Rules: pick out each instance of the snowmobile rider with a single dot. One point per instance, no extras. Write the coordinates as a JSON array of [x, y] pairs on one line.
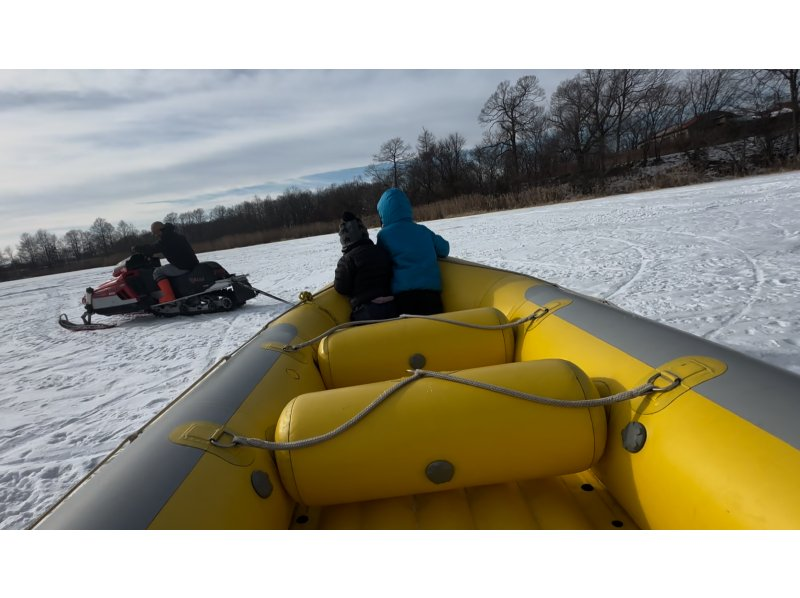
[[415, 249], [175, 249], [363, 273]]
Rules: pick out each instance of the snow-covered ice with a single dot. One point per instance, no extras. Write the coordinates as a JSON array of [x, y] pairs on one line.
[[719, 260]]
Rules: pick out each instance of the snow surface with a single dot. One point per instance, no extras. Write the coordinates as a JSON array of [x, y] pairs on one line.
[[719, 260]]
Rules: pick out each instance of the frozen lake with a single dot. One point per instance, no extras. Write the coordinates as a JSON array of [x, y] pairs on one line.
[[719, 260]]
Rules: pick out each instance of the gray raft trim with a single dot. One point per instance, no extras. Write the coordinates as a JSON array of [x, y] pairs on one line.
[[129, 491], [759, 392]]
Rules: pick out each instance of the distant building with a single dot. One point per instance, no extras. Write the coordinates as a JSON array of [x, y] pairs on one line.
[[700, 128], [719, 127], [777, 111]]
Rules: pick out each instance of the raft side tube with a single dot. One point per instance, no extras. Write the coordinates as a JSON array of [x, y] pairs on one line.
[[435, 434], [387, 350]]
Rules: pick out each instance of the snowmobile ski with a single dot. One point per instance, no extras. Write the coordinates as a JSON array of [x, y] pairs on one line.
[[65, 322]]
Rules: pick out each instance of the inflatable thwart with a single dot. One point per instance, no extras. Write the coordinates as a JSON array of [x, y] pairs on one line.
[[523, 406]]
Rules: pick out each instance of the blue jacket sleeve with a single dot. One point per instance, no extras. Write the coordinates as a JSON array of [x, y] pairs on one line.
[[441, 245]]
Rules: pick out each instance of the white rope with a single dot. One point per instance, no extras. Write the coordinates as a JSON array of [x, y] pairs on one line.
[[626, 395], [620, 397], [536, 314], [285, 446]]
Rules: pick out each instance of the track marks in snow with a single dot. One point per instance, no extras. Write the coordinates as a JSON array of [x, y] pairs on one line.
[[720, 255], [644, 260], [755, 293]]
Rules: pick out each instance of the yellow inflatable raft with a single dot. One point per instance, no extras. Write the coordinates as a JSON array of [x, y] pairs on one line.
[[524, 406]]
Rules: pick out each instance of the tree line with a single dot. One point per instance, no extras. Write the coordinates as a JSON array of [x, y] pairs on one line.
[[592, 124]]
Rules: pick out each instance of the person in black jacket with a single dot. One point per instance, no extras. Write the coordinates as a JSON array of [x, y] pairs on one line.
[[364, 273], [175, 249]]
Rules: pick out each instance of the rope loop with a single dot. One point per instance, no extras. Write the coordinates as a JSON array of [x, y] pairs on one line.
[[667, 388]]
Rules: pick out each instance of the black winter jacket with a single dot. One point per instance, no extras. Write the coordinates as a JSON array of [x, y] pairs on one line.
[[174, 247], [363, 273]]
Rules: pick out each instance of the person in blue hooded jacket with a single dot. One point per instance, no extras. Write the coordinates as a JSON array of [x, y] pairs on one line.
[[414, 249]]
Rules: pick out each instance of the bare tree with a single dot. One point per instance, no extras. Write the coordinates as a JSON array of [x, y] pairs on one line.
[[537, 141], [47, 244], [27, 249], [762, 93], [450, 161], [8, 254], [628, 90], [218, 213], [125, 230], [790, 78], [601, 106], [570, 116], [102, 233], [194, 217], [510, 112], [298, 206], [423, 167], [184, 219], [660, 107], [486, 164], [708, 90], [74, 244], [396, 153]]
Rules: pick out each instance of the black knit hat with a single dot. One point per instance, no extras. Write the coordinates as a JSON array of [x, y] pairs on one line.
[[351, 230]]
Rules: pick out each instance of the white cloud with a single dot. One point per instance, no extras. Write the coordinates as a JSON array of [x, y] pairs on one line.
[[112, 143]]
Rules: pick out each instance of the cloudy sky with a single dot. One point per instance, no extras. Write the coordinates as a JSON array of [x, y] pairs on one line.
[[135, 145], [129, 112]]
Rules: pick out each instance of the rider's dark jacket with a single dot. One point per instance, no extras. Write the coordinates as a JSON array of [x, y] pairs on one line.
[[173, 246]]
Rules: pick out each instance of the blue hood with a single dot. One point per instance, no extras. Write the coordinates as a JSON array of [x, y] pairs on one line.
[[394, 206]]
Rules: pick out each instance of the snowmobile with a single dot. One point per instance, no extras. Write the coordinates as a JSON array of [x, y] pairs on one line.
[[207, 288]]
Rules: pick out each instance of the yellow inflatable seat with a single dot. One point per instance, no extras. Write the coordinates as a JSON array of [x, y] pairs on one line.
[[435, 434], [387, 350]]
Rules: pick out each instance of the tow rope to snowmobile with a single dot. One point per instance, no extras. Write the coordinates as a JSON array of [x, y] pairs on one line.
[[260, 292]]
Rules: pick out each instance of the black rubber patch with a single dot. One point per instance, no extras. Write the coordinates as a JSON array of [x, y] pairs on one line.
[[261, 483], [634, 435], [440, 472], [417, 361]]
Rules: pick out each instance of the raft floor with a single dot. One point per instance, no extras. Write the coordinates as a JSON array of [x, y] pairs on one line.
[[576, 501]]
